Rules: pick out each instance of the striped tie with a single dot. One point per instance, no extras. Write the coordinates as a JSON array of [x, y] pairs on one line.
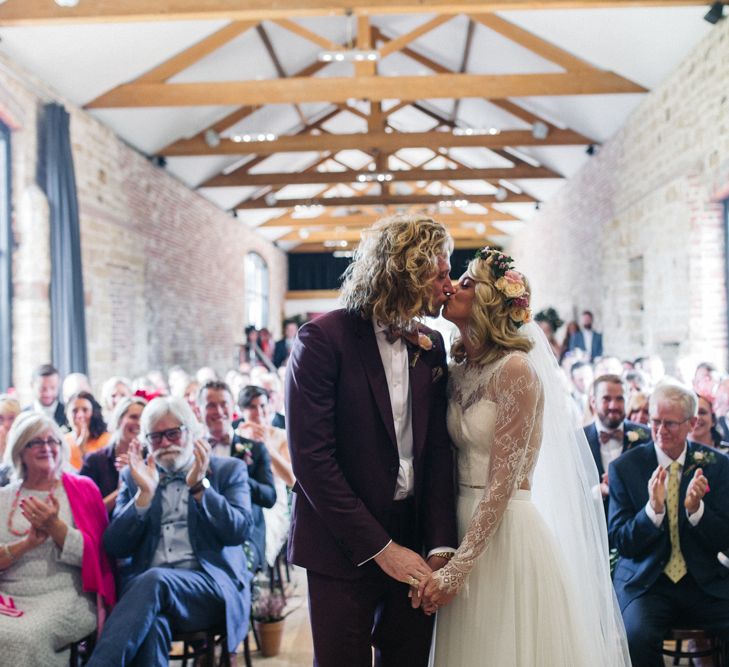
[[676, 567]]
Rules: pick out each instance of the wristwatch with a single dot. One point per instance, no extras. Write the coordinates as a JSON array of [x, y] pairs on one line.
[[204, 483]]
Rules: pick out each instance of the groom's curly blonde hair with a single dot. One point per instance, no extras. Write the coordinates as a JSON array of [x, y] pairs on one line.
[[393, 267]]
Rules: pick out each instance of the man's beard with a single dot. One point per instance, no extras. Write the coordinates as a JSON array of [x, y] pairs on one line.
[[180, 461], [611, 422]]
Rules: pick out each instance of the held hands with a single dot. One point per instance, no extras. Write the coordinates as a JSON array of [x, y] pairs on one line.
[[402, 564], [657, 490], [432, 596], [200, 465], [697, 489]]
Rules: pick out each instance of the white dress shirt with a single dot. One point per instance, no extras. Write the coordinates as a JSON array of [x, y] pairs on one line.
[[610, 450], [666, 461], [587, 337], [395, 361]]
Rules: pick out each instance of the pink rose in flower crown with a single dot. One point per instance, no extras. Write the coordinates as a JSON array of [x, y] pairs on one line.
[[513, 276]]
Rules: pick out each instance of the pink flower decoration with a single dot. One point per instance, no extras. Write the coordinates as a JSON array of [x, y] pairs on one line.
[[521, 302], [513, 276]]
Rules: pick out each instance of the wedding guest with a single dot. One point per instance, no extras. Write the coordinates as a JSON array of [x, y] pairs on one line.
[[88, 428], [635, 380], [571, 329], [205, 374], [51, 560], [73, 383], [103, 466], [706, 379], [181, 517], [266, 342], [113, 390], [582, 376], [549, 321], [256, 425], [46, 385], [637, 409], [653, 368], [9, 410], [669, 519], [704, 432], [587, 339], [721, 408], [283, 347], [274, 387], [611, 435], [608, 366], [215, 403]]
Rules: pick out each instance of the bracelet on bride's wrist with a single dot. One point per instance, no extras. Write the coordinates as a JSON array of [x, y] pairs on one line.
[[443, 554]]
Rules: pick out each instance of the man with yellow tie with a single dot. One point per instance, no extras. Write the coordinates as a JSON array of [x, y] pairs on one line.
[[669, 518]]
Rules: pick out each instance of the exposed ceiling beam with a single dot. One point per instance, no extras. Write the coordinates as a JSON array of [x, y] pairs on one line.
[[402, 175], [309, 35], [378, 88], [470, 29], [365, 219], [378, 200], [382, 141], [40, 12], [355, 235], [400, 42]]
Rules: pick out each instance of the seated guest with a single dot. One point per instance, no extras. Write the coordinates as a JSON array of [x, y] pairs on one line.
[[705, 433], [9, 410], [51, 560], [637, 409], [669, 519], [88, 428], [46, 385], [272, 384], [254, 404], [581, 375], [112, 391], [283, 347], [706, 379], [610, 435], [103, 466], [181, 516], [216, 405], [635, 380]]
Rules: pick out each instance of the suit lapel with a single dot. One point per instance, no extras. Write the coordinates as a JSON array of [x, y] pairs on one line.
[[683, 487], [594, 441], [375, 371], [420, 377]]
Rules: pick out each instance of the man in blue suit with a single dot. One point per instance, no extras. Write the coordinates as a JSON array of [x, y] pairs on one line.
[[669, 519], [181, 517], [611, 434], [587, 339]]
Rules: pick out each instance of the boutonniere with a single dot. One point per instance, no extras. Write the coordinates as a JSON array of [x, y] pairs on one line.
[[698, 459], [243, 451], [637, 434], [424, 342]]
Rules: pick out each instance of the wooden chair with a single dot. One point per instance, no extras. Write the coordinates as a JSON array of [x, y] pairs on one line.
[[201, 645], [706, 645]]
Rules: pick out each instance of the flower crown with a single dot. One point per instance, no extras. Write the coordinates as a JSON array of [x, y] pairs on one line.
[[510, 283]]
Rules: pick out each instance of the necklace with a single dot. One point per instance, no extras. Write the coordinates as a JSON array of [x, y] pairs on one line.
[[16, 501]]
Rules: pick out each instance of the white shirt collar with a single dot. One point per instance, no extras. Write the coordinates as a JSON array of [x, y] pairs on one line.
[[665, 460]]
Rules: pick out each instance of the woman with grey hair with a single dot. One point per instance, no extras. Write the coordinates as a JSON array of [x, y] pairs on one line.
[[51, 560], [103, 466], [114, 390]]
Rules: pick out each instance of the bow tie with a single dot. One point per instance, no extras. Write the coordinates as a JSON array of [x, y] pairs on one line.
[[396, 333], [166, 478], [606, 436]]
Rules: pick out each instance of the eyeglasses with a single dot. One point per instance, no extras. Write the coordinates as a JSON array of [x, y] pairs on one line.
[[39, 442], [668, 423], [172, 434]]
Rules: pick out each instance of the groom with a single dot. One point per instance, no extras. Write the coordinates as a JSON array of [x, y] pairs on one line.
[[374, 508]]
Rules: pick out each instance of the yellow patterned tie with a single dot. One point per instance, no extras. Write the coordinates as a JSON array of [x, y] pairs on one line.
[[676, 567]]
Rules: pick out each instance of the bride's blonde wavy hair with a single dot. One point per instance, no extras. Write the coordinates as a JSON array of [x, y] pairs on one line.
[[393, 267], [491, 329]]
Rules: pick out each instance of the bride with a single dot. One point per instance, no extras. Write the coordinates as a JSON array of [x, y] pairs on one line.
[[529, 585]]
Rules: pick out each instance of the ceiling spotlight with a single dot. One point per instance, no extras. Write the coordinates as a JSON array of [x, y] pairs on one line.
[[715, 13], [540, 130], [304, 233], [475, 131], [591, 149], [501, 194], [66, 3], [270, 199], [212, 138], [350, 56]]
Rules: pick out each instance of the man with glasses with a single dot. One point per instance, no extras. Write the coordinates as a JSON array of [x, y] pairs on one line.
[[669, 518], [181, 517]]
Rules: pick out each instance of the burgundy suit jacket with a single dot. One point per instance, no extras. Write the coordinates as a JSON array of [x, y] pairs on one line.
[[343, 448]]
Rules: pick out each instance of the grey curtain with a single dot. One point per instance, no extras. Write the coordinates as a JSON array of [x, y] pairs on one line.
[[57, 179], [6, 274]]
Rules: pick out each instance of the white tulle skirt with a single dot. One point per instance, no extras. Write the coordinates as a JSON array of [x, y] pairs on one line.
[[515, 610]]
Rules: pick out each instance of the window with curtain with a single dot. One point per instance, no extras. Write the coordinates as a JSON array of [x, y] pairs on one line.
[[256, 296], [6, 253]]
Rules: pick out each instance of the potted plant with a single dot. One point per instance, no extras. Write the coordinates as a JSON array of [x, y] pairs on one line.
[[268, 613]]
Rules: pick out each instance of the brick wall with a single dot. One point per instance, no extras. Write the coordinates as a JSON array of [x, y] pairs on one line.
[[163, 268], [636, 235]]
